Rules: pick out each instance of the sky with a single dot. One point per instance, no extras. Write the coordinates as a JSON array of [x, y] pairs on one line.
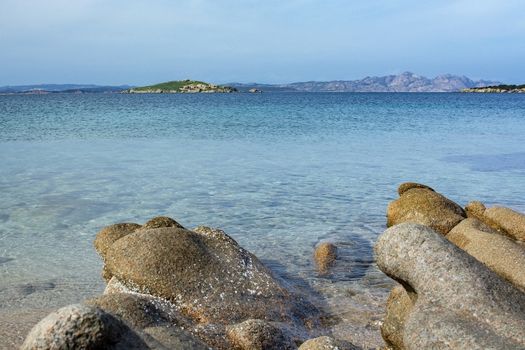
[[140, 42]]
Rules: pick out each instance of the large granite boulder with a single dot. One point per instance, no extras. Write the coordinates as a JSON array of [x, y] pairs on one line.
[[459, 302], [499, 253], [172, 288], [505, 220], [82, 327], [205, 273], [421, 204]]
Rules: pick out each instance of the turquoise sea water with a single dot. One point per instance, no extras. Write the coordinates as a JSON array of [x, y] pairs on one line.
[[279, 172]]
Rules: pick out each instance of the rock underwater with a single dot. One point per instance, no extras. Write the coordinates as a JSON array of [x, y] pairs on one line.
[[174, 288]]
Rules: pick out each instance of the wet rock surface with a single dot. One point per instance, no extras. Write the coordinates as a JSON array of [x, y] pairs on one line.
[[207, 275], [172, 288]]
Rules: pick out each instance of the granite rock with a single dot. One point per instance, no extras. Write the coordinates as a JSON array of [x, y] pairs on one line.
[[398, 307], [460, 303], [259, 335], [109, 234], [505, 220], [206, 274], [324, 255], [499, 253], [408, 185], [160, 221], [326, 343], [424, 206], [82, 327]]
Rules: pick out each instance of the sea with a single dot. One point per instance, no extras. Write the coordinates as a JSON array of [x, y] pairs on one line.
[[279, 172]]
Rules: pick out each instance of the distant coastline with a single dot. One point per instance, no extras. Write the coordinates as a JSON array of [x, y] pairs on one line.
[[404, 82], [181, 87], [498, 89]]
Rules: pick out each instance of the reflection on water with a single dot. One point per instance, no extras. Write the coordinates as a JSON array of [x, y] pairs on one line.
[[491, 162], [279, 172]]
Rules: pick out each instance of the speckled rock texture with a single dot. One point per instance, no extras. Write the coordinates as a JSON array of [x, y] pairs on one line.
[[326, 343], [398, 307], [504, 220], [408, 185], [204, 272], [420, 204], [460, 304], [108, 235], [259, 335], [325, 255], [81, 327], [499, 253], [173, 288]]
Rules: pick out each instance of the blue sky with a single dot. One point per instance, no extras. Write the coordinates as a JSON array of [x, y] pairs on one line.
[[140, 41]]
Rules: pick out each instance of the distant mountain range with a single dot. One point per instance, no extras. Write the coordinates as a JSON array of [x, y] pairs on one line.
[[405, 82]]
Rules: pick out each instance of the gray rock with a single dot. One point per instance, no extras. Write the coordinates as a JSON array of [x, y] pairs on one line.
[[82, 327], [499, 253], [140, 311], [259, 335], [326, 343], [422, 205], [461, 304]]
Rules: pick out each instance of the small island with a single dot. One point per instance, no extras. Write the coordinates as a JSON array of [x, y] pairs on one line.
[[180, 86], [498, 89]]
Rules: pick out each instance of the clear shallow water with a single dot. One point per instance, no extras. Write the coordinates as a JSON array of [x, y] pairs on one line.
[[279, 172]]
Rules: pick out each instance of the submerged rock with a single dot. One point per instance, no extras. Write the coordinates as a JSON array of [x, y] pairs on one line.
[[259, 335], [324, 256], [420, 204], [81, 327], [505, 220], [460, 303], [499, 253]]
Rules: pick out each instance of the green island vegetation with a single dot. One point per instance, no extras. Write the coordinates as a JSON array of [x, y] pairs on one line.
[[181, 86], [498, 89]]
